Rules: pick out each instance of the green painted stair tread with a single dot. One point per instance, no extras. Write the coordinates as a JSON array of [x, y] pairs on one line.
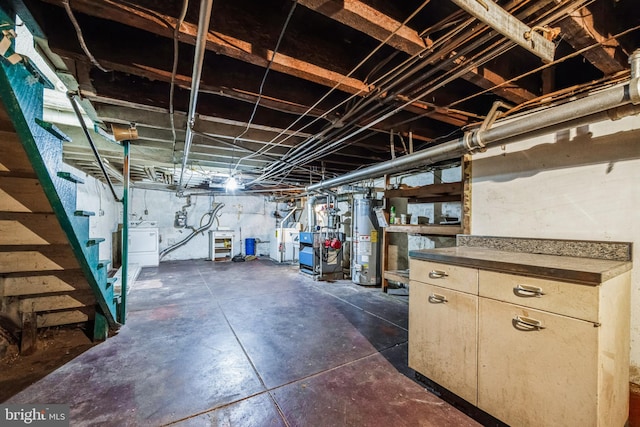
[[94, 241], [84, 213], [103, 263], [111, 281], [70, 177], [53, 130]]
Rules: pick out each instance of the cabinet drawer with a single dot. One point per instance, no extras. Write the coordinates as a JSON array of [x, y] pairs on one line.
[[443, 337], [462, 279], [564, 298]]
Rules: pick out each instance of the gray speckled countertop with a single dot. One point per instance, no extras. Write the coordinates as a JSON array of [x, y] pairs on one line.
[[586, 269], [618, 251]]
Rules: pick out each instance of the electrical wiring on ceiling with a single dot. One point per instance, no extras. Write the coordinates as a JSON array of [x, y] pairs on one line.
[[264, 77], [335, 87], [464, 67], [83, 44]]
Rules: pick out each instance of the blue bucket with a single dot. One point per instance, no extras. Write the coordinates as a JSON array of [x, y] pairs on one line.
[[250, 246]]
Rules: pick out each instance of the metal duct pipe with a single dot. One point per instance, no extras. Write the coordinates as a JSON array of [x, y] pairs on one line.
[[607, 104], [311, 213], [311, 217], [212, 216], [592, 104], [198, 60], [444, 151]]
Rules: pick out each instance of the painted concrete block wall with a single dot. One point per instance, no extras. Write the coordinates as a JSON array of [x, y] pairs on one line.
[[247, 216], [579, 184]]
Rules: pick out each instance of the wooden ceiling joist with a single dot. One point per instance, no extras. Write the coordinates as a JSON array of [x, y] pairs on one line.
[[361, 17], [232, 47], [243, 50], [580, 31]]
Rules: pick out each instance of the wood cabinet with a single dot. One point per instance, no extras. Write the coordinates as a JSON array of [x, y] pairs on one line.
[[442, 337], [531, 351]]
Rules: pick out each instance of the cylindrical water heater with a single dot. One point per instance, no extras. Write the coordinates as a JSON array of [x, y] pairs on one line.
[[365, 261]]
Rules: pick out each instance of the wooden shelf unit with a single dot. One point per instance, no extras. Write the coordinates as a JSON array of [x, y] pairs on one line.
[[221, 246], [434, 193]]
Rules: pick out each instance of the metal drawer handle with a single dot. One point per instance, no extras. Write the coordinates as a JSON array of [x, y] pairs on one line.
[[527, 291], [437, 274], [527, 324], [437, 299]]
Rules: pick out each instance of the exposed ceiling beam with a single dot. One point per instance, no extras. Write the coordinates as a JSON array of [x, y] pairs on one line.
[[580, 31], [243, 50], [364, 18], [369, 21], [509, 26], [205, 124], [227, 45]]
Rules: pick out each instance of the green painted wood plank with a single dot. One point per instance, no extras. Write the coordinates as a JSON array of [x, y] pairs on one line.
[[100, 327], [94, 241], [70, 177]]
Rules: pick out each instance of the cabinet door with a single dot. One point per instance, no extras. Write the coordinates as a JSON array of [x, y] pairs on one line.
[[537, 376], [443, 337]]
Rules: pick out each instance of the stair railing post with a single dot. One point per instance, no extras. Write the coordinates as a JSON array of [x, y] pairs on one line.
[[125, 234]]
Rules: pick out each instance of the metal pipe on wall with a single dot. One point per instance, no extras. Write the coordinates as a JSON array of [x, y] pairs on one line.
[[198, 60], [92, 145], [195, 231], [609, 103]]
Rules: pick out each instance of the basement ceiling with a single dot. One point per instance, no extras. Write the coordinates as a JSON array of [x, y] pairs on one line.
[[295, 92]]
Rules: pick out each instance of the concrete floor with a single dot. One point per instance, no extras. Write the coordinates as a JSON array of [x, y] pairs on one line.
[[248, 344]]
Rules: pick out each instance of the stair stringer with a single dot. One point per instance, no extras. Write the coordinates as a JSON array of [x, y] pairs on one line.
[[22, 95]]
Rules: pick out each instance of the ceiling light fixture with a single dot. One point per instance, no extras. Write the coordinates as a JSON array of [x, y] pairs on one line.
[[231, 184]]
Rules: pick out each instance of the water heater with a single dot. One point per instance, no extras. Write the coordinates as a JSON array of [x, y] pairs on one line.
[[365, 262]]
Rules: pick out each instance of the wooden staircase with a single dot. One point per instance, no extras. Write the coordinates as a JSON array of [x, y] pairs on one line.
[[50, 273]]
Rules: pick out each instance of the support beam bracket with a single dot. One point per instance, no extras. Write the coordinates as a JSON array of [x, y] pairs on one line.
[[509, 26]]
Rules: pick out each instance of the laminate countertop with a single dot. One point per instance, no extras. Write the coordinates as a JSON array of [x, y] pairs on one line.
[[586, 271]]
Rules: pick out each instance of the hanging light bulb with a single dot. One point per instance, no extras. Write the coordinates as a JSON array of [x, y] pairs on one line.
[[231, 184]]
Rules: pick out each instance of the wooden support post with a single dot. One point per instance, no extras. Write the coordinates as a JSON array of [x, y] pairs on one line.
[[100, 327], [384, 253], [29, 340], [466, 194]]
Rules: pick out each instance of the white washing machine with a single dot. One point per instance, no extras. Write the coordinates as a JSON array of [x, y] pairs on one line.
[[144, 244]]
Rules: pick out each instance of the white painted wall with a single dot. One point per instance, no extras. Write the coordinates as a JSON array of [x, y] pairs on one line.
[[582, 184], [96, 197], [247, 216]]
